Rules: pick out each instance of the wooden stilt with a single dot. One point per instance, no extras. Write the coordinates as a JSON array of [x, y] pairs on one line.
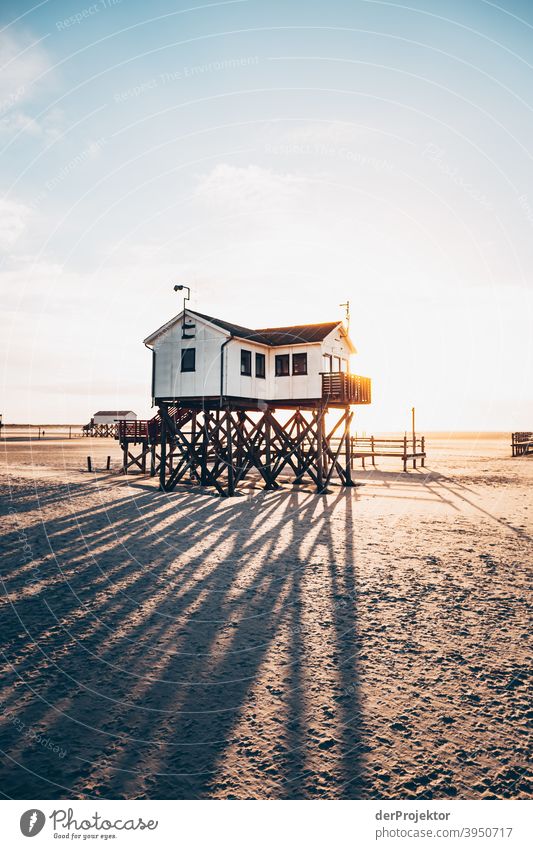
[[163, 460], [348, 453], [320, 451], [220, 448], [229, 455]]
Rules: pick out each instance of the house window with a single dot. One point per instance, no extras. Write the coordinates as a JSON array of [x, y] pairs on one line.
[[260, 365], [344, 365], [337, 363], [188, 359], [282, 365], [299, 363], [246, 362], [327, 362]]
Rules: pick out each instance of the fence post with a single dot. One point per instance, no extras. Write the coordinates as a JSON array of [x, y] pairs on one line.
[[423, 461], [405, 453], [373, 455], [89, 465], [414, 436]]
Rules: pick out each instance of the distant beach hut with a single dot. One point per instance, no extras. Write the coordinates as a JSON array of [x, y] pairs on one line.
[[104, 422], [112, 416]]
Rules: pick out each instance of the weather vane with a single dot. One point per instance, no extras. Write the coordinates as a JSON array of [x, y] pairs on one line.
[[347, 316]]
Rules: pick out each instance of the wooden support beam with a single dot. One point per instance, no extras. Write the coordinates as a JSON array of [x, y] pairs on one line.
[[319, 451], [348, 480], [163, 461], [220, 448], [229, 455]]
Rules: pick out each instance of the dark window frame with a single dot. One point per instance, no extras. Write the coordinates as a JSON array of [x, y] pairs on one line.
[[186, 353], [262, 359], [279, 359], [248, 367], [300, 354]]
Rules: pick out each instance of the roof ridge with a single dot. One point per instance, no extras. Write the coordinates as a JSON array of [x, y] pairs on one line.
[[291, 326]]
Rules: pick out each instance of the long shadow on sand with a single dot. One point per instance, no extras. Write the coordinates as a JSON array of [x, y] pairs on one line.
[[182, 647]]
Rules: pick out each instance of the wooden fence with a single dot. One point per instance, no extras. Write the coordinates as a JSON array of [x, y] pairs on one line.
[[370, 447], [521, 443], [104, 430]]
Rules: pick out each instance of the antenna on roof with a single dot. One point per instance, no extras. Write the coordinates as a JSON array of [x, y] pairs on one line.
[[347, 316], [179, 287]]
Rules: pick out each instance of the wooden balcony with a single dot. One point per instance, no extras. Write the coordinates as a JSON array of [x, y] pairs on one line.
[[341, 388]]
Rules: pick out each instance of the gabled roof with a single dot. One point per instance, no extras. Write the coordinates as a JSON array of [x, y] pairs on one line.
[[275, 336], [116, 413], [294, 334], [298, 333]]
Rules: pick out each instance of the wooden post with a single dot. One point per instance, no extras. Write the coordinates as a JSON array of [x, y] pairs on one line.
[[414, 436], [423, 462], [163, 460], [372, 448], [405, 452], [89, 466], [268, 449], [205, 449], [152, 460], [70, 432], [108, 464], [348, 452], [229, 454], [298, 478], [320, 452]]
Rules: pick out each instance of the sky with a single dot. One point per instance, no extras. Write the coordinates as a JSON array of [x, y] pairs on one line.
[[280, 158]]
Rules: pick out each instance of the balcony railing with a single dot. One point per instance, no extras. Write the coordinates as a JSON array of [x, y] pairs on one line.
[[341, 388]]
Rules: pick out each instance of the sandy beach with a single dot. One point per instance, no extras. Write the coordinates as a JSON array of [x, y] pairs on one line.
[[370, 643]]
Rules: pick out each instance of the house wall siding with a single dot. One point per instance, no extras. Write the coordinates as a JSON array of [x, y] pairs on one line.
[[170, 381]]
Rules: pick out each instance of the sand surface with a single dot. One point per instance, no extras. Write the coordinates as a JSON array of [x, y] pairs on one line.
[[371, 643]]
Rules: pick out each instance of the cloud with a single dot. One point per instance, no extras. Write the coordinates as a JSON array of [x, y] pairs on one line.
[[238, 189], [23, 63], [14, 218]]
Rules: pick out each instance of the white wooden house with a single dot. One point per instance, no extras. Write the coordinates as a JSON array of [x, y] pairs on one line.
[[199, 360], [104, 417]]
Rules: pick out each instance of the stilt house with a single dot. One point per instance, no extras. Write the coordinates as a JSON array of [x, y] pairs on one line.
[[206, 362]]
